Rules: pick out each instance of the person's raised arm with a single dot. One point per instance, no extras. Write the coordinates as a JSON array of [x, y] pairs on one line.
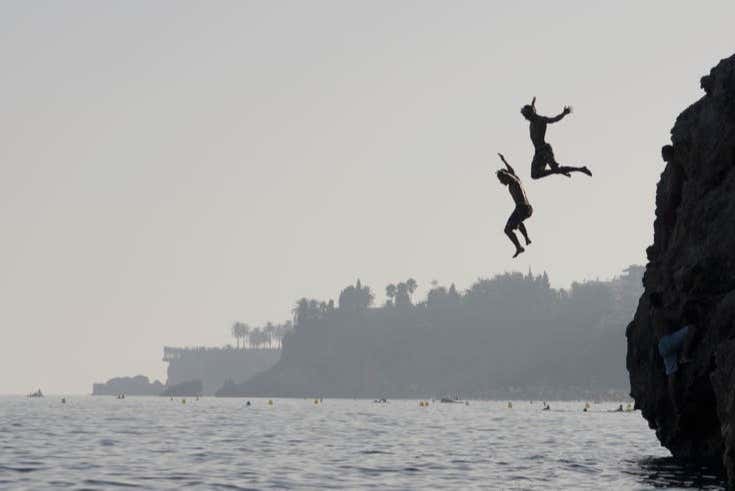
[[507, 165], [560, 116]]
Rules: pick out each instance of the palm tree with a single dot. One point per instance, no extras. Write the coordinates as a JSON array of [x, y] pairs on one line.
[[236, 332], [390, 292], [254, 338], [300, 311], [245, 329], [268, 331]]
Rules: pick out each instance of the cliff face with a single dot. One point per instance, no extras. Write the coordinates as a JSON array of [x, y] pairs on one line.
[[692, 262], [132, 386], [214, 366]]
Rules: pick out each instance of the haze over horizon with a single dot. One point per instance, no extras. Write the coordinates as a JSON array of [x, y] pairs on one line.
[[171, 167]]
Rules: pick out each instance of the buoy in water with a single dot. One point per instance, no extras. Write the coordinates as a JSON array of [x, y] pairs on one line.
[[183, 401], [270, 402], [510, 405]]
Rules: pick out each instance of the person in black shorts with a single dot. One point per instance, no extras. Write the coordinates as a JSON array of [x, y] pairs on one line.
[[543, 153], [523, 210]]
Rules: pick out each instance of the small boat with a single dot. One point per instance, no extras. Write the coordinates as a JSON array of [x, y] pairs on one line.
[[38, 393]]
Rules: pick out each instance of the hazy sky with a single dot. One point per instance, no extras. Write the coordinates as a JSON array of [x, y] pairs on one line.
[[167, 168]]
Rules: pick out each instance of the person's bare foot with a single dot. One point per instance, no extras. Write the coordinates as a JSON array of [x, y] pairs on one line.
[[586, 171], [520, 250], [528, 241]]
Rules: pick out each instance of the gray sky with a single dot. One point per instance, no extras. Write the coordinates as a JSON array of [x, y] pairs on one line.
[[167, 168]]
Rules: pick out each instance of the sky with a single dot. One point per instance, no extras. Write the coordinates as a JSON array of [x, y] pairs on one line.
[[168, 168]]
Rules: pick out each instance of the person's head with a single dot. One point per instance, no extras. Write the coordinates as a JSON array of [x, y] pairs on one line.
[[655, 300], [503, 177], [528, 111]]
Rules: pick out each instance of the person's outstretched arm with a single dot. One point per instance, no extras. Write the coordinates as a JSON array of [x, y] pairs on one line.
[[560, 116], [507, 165]]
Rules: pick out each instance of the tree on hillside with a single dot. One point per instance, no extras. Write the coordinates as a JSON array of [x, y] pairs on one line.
[[390, 292], [307, 310], [240, 331], [268, 331], [437, 296], [403, 292], [235, 331], [355, 298], [452, 294]]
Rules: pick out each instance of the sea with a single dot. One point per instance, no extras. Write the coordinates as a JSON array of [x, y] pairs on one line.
[[211, 443]]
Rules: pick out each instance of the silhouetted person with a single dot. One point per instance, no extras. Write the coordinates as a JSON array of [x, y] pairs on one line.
[[543, 154], [523, 209], [674, 340]]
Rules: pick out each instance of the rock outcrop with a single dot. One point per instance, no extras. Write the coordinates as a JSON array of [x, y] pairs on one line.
[[132, 386], [190, 388], [692, 262], [213, 366]]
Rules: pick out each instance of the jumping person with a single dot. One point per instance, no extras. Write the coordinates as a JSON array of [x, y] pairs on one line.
[[523, 210], [543, 154]]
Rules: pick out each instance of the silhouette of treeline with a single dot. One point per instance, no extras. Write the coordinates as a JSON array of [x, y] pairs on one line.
[[510, 335], [267, 336]]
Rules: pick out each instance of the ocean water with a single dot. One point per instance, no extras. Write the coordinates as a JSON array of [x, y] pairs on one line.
[[156, 443]]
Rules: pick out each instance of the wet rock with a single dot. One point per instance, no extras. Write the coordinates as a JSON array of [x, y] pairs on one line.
[[692, 262]]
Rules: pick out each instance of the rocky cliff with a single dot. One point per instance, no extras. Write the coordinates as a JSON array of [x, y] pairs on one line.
[[214, 366], [132, 386], [692, 262]]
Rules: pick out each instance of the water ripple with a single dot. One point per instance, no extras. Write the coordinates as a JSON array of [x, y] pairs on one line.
[[154, 443]]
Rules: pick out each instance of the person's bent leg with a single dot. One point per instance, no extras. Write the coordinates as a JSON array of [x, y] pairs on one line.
[[541, 159], [523, 230], [514, 220], [512, 236], [539, 171], [567, 169]]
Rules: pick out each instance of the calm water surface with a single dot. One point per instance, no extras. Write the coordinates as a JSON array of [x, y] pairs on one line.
[[155, 443]]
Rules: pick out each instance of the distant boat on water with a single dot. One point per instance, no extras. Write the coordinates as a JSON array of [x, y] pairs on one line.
[[452, 400], [38, 393]]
